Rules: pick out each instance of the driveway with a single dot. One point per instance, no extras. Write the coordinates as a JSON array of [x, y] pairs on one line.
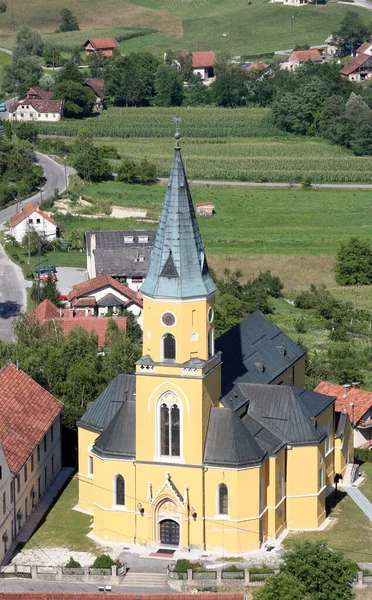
[[68, 277]]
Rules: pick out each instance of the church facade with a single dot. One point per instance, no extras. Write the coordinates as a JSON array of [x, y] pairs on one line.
[[194, 451]]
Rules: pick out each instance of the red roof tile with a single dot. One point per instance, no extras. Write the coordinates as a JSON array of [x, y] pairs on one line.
[[90, 301], [97, 324], [210, 203], [302, 56], [26, 212], [363, 48], [362, 399], [257, 66], [103, 43], [203, 59], [45, 310], [96, 283], [96, 85], [27, 411], [355, 64], [38, 91]]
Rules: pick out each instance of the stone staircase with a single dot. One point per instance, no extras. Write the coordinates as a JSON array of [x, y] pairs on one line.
[[145, 580]]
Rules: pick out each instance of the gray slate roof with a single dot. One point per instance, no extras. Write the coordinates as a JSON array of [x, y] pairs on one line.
[[280, 410], [115, 257], [178, 266], [341, 419], [100, 413], [314, 402], [252, 352], [264, 438], [110, 300], [229, 443], [119, 439]]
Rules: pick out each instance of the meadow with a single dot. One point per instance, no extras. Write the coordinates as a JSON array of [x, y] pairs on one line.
[[5, 59], [72, 39]]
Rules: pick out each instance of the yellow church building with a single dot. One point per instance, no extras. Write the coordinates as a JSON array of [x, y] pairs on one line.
[[211, 445]]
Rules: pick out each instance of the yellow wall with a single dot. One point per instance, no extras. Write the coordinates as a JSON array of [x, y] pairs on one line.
[[86, 440]]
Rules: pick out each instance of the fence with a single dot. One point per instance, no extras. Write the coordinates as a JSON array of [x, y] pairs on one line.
[[217, 578], [58, 573]]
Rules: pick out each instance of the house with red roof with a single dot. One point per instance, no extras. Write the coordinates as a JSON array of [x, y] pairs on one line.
[[357, 404], [360, 68], [299, 57], [96, 85], [103, 46], [32, 218], [205, 209], [203, 65], [30, 450], [36, 105]]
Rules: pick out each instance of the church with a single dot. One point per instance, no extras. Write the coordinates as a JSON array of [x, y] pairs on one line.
[[212, 444]]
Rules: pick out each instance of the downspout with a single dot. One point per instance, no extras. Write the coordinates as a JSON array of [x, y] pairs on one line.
[[135, 503], [204, 528]]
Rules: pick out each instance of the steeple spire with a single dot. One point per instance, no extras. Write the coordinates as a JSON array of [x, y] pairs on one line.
[[178, 266]]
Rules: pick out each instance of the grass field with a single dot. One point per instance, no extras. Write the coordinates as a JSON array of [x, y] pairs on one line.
[[5, 59], [70, 39], [189, 24]]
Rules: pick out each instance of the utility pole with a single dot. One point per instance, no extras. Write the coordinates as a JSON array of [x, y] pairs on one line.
[[292, 25]]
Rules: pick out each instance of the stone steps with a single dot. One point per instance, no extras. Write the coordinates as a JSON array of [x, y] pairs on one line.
[[145, 580]]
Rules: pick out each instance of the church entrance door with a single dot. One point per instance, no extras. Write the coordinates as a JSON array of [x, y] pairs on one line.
[[169, 532]]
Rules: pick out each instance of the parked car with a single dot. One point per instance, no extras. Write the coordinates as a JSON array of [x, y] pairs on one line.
[[46, 269], [44, 276], [3, 107]]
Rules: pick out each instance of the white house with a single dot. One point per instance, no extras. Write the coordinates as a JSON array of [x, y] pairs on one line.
[[37, 105], [203, 65], [30, 450], [299, 57], [32, 218]]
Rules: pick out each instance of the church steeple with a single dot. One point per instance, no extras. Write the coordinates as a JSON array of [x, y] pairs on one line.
[[178, 266]]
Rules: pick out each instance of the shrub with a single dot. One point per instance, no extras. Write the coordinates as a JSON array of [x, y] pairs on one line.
[[300, 325], [306, 183], [182, 565], [72, 564], [103, 561], [106, 151], [232, 569], [354, 263], [363, 454]]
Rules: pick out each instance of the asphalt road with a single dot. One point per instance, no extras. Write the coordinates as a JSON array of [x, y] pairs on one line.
[[12, 284]]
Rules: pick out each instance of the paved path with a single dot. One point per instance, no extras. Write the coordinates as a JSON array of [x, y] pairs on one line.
[[29, 585], [254, 184], [359, 499]]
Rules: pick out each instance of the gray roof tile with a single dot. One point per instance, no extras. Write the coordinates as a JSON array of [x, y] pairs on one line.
[[119, 438]]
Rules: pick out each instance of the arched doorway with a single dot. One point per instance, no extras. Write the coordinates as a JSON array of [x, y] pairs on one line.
[[168, 520], [169, 532]]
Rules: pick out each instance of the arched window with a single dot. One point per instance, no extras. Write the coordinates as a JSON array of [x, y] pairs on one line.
[[169, 430], [120, 490], [223, 499], [169, 347], [210, 343]]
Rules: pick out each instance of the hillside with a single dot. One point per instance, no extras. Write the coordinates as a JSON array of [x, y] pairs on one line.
[[188, 24]]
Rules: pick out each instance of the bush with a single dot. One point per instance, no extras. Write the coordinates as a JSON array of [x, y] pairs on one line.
[[363, 454], [354, 263], [106, 151], [232, 569], [103, 561], [72, 564], [182, 565], [300, 325]]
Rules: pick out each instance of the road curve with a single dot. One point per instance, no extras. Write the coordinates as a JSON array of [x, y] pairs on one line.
[[12, 284]]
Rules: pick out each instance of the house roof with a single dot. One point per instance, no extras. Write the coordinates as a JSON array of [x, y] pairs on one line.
[[302, 56], [102, 281], [257, 66], [38, 91], [254, 351], [101, 412], [178, 266], [119, 439], [229, 443], [355, 64], [203, 59], [110, 300], [96, 85], [315, 402], [363, 48], [46, 310], [283, 412], [27, 411], [84, 302], [361, 398], [210, 203], [115, 240], [26, 212], [102, 43], [98, 325], [41, 106]]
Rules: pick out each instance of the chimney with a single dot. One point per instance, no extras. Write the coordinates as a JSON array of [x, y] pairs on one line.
[[314, 422], [355, 385], [346, 387]]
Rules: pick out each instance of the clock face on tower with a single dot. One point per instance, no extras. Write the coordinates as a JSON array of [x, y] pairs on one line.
[[168, 319]]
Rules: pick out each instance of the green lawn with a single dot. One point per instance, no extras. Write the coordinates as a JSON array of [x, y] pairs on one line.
[[63, 526], [350, 530]]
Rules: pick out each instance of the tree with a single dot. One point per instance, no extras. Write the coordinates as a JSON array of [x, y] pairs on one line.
[[69, 21], [229, 88], [196, 93], [282, 587], [168, 86], [127, 171], [354, 263], [146, 172], [78, 99], [3, 6], [130, 171], [52, 57], [70, 72], [351, 33], [87, 159], [130, 79], [50, 291], [28, 42]]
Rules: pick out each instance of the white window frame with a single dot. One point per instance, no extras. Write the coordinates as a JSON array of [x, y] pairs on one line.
[[170, 398]]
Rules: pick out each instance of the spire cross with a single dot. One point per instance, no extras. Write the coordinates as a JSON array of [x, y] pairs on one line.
[[177, 121]]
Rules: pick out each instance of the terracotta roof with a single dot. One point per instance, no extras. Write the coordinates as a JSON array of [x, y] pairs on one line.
[[26, 212], [210, 203], [355, 64], [302, 56], [27, 411], [362, 399], [363, 48], [43, 95], [96, 283], [90, 301], [96, 85], [257, 66], [97, 324], [203, 59], [45, 310], [102, 43]]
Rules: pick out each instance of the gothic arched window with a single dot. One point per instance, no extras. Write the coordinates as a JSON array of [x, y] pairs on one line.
[[210, 343], [120, 490], [169, 347], [223, 499], [170, 430]]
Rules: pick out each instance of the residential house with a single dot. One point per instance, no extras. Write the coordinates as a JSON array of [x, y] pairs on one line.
[[330, 45], [167, 457], [104, 46], [359, 69], [96, 85], [357, 404], [365, 48], [36, 105], [299, 57], [68, 319], [256, 66], [32, 218], [102, 293], [30, 450], [205, 209], [203, 65], [121, 254]]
